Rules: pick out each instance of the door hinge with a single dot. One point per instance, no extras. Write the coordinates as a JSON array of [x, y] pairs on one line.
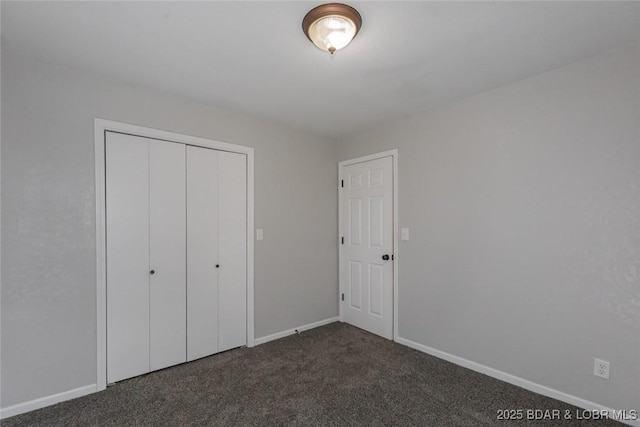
[[342, 240], [342, 297], [391, 257], [342, 183]]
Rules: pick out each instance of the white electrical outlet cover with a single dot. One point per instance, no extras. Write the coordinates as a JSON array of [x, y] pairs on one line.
[[259, 234], [601, 368]]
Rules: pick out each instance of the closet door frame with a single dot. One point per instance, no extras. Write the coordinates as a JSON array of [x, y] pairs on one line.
[[102, 126]]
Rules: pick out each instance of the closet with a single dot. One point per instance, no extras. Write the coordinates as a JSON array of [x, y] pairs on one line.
[[176, 253]]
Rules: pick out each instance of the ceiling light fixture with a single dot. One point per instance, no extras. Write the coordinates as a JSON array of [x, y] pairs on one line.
[[331, 26]]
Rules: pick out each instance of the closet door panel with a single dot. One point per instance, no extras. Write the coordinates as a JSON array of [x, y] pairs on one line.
[[232, 243], [127, 222], [168, 235], [202, 252]]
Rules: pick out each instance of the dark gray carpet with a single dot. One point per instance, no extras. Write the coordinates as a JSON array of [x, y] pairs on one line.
[[336, 375]]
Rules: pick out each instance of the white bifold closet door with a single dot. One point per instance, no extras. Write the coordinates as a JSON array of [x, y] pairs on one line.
[[176, 226], [216, 251], [232, 244], [146, 263], [202, 252], [167, 236]]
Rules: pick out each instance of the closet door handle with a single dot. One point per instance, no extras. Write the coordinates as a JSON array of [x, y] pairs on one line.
[[217, 265], [152, 272]]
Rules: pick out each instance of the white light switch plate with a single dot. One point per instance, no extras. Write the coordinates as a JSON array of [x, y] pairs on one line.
[[259, 234], [404, 233]]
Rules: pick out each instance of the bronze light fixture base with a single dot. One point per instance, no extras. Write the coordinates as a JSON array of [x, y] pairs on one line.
[[336, 18]]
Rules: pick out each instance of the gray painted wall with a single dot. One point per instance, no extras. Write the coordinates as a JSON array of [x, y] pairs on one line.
[[523, 205], [48, 217]]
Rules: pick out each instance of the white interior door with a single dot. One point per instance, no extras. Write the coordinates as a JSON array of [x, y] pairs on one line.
[[168, 235], [366, 266], [127, 221], [232, 235], [202, 252]]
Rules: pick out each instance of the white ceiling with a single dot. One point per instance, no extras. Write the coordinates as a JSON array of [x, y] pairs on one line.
[[253, 57]]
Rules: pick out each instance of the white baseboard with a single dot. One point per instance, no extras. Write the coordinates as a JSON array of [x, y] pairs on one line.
[[520, 382], [292, 331], [32, 405]]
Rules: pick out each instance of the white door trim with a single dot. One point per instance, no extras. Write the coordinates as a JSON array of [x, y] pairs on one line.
[[101, 126], [394, 155]]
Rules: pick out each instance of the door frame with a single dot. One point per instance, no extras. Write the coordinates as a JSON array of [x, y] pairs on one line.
[[102, 126], [341, 286]]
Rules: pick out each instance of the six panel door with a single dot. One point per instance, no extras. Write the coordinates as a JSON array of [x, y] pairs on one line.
[[366, 266]]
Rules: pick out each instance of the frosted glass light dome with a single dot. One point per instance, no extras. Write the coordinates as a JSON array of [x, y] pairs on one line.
[[332, 26], [332, 32]]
